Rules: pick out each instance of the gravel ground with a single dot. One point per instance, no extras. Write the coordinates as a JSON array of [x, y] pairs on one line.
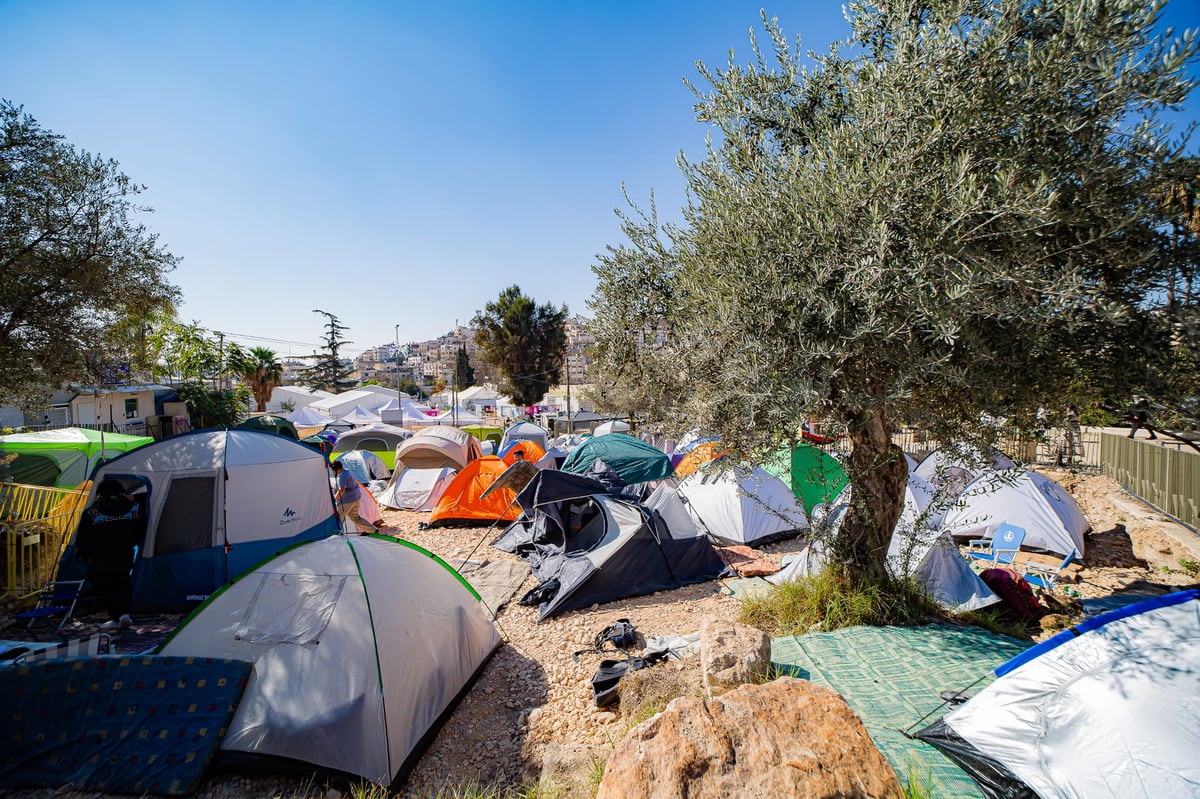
[[533, 692]]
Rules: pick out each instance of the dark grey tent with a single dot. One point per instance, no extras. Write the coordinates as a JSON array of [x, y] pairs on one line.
[[587, 546]]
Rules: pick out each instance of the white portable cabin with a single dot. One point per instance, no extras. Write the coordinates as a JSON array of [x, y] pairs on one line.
[[217, 503], [360, 644]]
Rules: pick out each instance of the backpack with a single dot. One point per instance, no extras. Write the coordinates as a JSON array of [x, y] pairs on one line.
[[620, 633], [1016, 595]]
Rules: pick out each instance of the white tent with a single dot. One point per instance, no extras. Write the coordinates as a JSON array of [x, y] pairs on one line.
[[416, 489], [917, 549], [359, 645], [1049, 515], [612, 426], [457, 416], [218, 502], [359, 416], [526, 431], [950, 470], [308, 417], [1105, 709], [435, 447], [369, 398], [741, 506]]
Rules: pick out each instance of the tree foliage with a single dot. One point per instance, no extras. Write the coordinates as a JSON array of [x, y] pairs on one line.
[[77, 274], [524, 341], [329, 372], [464, 374], [950, 212], [261, 371]]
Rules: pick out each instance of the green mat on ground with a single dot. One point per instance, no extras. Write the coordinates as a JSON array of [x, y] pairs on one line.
[[891, 677]]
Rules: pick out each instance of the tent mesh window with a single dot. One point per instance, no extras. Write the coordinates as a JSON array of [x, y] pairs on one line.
[[186, 522], [296, 615]]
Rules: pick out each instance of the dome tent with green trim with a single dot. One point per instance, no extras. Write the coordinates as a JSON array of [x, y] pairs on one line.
[[269, 423], [330, 626], [66, 457]]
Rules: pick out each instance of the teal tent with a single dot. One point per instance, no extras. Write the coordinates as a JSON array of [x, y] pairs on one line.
[[633, 460], [814, 476]]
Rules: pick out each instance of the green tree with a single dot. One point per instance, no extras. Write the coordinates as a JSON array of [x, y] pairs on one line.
[[184, 353], [950, 214], [329, 372], [524, 341], [78, 274], [464, 374], [262, 372]]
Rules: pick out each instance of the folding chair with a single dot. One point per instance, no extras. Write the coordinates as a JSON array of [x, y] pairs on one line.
[[1045, 576], [1001, 548], [57, 599]]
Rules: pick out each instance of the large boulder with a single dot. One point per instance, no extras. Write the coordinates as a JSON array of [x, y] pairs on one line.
[[732, 654], [786, 738]]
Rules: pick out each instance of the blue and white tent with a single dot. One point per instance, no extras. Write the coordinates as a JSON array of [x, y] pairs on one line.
[[217, 503], [1108, 708]]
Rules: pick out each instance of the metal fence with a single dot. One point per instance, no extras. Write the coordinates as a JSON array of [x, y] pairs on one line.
[[1166, 477], [35, 524], [1056, 447]]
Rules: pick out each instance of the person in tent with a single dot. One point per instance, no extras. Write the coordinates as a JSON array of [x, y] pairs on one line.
[[109, 530], [348, 496]]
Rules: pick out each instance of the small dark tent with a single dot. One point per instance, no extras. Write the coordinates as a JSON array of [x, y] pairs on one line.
[[587, 546]]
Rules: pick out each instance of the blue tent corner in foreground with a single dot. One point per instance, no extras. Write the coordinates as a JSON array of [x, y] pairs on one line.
[[892, 677]]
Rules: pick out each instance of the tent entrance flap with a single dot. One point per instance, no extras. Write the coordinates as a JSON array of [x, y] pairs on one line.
[[188, 516]]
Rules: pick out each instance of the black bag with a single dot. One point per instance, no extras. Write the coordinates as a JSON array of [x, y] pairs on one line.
[[621, 633], [607, 679]]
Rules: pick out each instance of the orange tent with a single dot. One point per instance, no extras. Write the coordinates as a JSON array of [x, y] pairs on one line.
[[702, 454], [461, 504], [531, 449]]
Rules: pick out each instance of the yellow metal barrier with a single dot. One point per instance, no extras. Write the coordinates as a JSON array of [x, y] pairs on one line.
[[35, 525]]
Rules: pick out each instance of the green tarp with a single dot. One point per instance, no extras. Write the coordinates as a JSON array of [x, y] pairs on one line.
[[892, 677], [814, 476], [631, 458]]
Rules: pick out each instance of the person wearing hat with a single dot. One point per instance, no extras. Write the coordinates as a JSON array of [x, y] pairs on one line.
[[109, 530]]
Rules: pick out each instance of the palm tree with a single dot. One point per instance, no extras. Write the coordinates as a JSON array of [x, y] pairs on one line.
[[262, 372]]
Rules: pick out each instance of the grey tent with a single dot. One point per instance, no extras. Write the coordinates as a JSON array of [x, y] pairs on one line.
[[359, 645], [587, 546]]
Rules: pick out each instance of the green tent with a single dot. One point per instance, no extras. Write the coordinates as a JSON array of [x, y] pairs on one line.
[[814, 476], [271, 424], [485, 432], [66, 457], [632, 459]]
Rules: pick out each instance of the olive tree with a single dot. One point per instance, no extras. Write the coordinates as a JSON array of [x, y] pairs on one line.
[[948, 212]]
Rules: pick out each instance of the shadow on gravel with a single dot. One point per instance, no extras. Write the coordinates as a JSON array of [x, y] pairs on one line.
[[1112, 548], [483, 741]]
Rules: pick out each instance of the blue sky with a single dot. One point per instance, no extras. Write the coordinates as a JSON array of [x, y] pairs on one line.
[[393, 163]]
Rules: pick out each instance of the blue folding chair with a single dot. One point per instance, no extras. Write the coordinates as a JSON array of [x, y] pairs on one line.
[[56, 600], [1001, 548], [1045, 576]]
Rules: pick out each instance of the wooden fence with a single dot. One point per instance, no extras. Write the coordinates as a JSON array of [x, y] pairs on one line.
[[1165, 476], [35, 525]]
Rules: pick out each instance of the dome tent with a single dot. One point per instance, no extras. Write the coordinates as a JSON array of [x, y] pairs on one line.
[[950, 469], [526, 431], [271, 424], [740, 506], [1046, 511], [416, 489], [632, 459], [66, 457], [330, 626], [463, 502], [376, 437], [436, 447], [218, 501], [1104, 709]]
